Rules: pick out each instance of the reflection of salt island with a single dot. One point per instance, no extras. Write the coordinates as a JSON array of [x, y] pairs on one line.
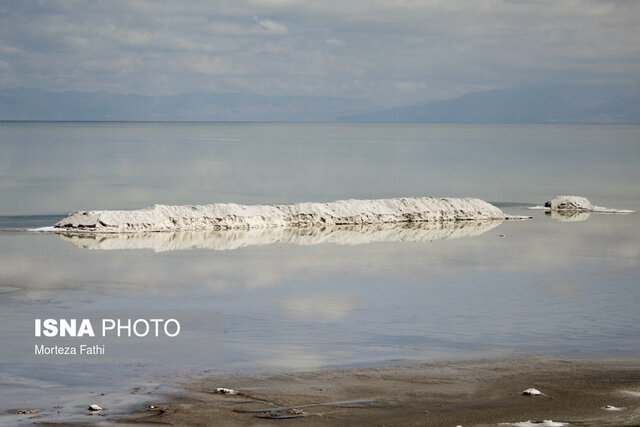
[[234, 239], [225, 216], [568, 216]]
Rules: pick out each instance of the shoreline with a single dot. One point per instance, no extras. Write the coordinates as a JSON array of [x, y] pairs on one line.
[[575, 391]]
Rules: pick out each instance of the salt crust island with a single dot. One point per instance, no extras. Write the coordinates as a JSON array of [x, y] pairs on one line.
[[574, 209], [225, 216], [577, 204], [569, 203]]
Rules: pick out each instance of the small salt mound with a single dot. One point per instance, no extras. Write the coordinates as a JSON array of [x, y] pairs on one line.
[[577, 204], [531, 392], [223, 390], [224, 216], [569, 203]]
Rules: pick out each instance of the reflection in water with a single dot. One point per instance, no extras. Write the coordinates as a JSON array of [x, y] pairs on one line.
[[309, 307], [306, 307], [234, 239], [319, 306], [568, 216]]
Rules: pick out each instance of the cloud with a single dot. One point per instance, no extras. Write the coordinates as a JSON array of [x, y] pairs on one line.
[[387, 49], [271, 27]]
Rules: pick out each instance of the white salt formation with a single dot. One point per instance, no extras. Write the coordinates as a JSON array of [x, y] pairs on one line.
[[222, 390], [569, 203], [224, 216], [234, 239], [574, 204], [545, 423]]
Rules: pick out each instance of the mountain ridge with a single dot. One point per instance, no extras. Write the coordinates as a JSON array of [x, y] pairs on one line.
[[532, 104], [38, 104]]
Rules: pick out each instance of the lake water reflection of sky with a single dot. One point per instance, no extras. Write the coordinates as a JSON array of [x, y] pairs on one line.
[[308, 302]]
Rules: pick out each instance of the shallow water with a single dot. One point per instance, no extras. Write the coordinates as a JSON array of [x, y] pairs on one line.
[[56, 168], [344, 298]]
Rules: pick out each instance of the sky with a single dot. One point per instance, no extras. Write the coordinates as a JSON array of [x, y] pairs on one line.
[[389, 52]]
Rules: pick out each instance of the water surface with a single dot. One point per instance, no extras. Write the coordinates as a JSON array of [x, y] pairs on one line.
[[314, 301]]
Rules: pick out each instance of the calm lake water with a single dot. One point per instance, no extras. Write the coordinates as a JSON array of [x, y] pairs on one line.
[[341, 298]]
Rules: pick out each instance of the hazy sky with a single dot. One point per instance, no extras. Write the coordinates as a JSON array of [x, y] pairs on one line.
[[391, 52]]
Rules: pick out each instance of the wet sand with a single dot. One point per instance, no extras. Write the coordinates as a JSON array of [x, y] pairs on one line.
[[439, 394]]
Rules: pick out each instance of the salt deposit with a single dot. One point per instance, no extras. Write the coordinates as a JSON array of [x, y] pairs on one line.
[[569, 203], [222, 390], [576, 204], [532, 392], [612, 408], [234, 239], [545, 423], [224, 216]]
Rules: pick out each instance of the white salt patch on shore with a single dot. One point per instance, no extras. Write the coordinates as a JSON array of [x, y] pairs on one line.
[[232, 216], [545, 423], [223, 390], [532, 392]]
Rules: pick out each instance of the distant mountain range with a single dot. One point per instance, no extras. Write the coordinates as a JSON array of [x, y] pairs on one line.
[[37, 104], [541, 104]]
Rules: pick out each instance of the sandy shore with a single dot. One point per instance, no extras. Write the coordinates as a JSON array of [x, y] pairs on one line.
[[441, 394]]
